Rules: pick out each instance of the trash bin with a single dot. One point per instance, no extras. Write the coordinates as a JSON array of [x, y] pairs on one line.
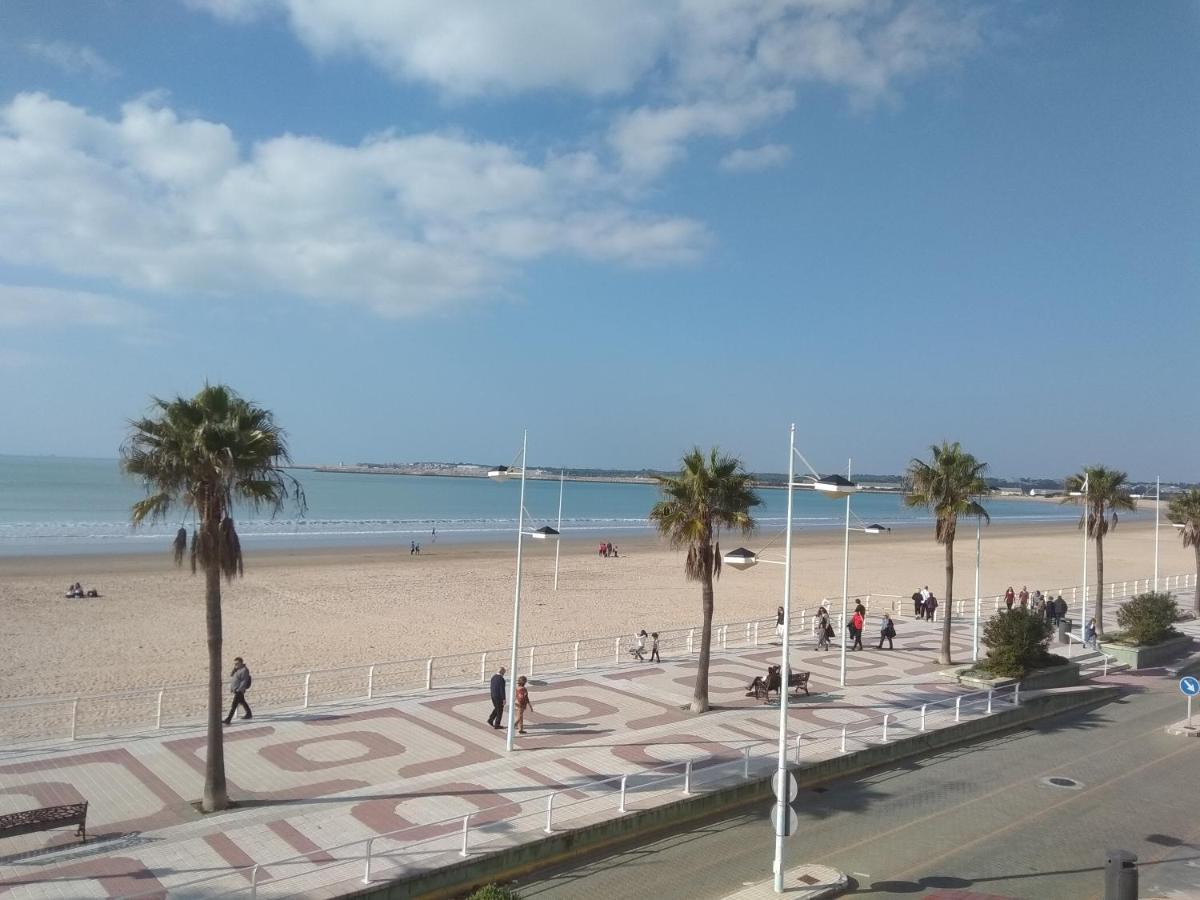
[[1120, 876], [1064, 625]]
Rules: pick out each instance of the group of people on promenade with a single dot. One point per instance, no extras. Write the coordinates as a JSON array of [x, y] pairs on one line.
[[638, 649], [1053, 609], [498, 689], [924, 604], [823, 628]]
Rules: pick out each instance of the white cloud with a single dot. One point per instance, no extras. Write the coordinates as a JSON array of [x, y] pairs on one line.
[[756, 159], [398, 223], [74, 59], [28, 306]]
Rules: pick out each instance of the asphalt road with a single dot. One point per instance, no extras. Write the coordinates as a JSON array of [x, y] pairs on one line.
[[977, 821]]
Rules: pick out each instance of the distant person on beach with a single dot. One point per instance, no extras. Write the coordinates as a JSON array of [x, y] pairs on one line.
[[615, 552], [603, 549], [412, 547], [417, 549], [1009, 597], [239, 683], [497, 689], [433, 536], [523, 703], [608, 549], [654, 657], [887, 631]]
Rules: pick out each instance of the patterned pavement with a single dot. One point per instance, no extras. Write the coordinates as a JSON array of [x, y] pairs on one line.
[[312, 786]]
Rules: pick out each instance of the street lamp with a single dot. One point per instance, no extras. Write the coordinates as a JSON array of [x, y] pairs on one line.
[[1157, 506], [503, 473], [741, 558], [1086, 522]]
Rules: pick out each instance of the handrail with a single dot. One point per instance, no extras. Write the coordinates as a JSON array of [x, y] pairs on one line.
[[555, 658], [681, 769]]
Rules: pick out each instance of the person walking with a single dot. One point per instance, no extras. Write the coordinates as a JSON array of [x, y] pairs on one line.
[[639, 646], [1009, 597], [918, 600], [1089, 635], [498, 688], [239, 683], [856, 630], [523, 703], [654, 657], [1023, 597], [887, 631], [931, 605], [1060, 609], [824, 629], [779, 624]]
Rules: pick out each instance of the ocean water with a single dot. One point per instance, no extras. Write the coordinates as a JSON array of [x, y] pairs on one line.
[[54, 505]]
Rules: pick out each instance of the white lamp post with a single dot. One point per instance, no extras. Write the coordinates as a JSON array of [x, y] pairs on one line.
[[1157, 505], [1086, 520], [503, 473], [558, 543], [975, 630]]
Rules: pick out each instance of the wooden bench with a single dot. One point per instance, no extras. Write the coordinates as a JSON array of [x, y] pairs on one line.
[[50, 817], [761, 688]]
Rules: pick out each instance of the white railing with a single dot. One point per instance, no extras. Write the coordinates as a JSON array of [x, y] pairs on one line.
[[616, 794], [1098, 662], [186, 704]]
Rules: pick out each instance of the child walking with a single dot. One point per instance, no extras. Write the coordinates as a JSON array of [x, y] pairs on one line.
[[523, 703], [654, 657]]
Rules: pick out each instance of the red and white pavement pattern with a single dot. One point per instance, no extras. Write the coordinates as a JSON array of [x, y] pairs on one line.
[[339, 775]]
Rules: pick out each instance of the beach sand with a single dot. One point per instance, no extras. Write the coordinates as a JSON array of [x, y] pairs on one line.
[[311, 609]]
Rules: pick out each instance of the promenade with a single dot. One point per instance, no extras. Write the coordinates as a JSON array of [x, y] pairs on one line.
[[312, 786]]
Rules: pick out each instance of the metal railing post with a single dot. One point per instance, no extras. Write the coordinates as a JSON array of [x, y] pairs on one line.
[[483, 667], [531, 649], [367, 865], [254, 882], [989, 706], [307, 678], [687, 778], [158, 711], [724, 635], [756, 629], [549, 829], [885, 725], [429, 674], [1106, 664], [621, 807], [691, 637], [466, 848], [577, 654], [843, 739], [746, 763], [617, 651], [74, 717], [957, 707], [923, 705], [370, 682], [1017, 694], [798, 749]]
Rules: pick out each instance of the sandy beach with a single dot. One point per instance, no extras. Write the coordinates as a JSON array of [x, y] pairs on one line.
[[299, 610]]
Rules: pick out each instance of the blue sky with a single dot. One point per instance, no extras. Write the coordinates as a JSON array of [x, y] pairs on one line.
[[412, 229]]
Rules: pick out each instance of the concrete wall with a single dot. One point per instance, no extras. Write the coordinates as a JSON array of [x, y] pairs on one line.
[[504, 865], [1147, 657]]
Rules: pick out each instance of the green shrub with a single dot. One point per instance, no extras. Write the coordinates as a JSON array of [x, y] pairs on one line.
[[1148, 618], [494, 892], [1016, 640]]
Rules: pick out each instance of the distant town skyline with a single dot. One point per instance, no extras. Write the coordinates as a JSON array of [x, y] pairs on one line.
[[413, 230]]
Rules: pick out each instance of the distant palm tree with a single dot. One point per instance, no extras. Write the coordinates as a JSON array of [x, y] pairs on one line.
[[707, 495], [1107, 493], [204, 454], [1185, 510], [949, 485]]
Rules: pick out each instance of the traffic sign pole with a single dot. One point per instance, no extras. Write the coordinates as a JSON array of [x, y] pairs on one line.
[[1189, 686]]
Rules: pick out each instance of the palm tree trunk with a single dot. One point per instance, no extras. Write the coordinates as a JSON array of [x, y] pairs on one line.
[[1099, 586], [215, 795], [700, 696], [944, 653]]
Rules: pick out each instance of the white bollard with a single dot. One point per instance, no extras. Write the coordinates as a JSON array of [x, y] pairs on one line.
[[989, 707], [577, 654], [691, 637], [885, 725], [996, 605], [724, 635], [74, 717], [158, 712], [466, 849], [1106, 665], [1017, 694], [531, 649], [367, 866], [843, 739], [798, 749], [687, 778], [756, 632], [746, 763], [549, 829], [429, 674], [923, 705], [371, 682], [307, 679], [957, 707], [254, 882], [483, 667], [621, 808], [617, 651]]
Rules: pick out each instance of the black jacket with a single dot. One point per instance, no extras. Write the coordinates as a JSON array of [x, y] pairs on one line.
[[498, 687]]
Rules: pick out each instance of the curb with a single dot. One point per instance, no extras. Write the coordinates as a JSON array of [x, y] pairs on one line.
[[808, 882], [509, 863]]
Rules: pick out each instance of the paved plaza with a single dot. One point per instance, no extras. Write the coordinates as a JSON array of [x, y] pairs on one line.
[[313, 785]]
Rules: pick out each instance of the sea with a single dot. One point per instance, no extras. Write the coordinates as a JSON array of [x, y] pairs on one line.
[[56, 505]]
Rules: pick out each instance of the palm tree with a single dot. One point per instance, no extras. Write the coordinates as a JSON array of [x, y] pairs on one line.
[[708, 494], [1106, 494], [1185, 510], [949, 485], [204, 455]]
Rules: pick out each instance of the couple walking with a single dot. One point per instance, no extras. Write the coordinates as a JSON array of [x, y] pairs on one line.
[[499, 690]]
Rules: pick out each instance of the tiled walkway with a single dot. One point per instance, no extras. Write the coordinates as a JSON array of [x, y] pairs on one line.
[[305, 783]]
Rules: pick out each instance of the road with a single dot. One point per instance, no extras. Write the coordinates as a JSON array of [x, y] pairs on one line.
[[973, 822]]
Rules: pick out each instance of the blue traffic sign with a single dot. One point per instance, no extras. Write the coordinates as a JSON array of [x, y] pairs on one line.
[[1189, 685]]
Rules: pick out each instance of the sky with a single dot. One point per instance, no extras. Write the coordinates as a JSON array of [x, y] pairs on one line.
[[414, 229]]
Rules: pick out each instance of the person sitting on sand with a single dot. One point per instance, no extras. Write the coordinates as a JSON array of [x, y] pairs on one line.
[[92, 592]]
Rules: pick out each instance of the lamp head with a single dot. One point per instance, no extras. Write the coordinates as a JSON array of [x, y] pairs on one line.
[[834, 486], [741, 558], [875, 528], [544, 532], [500, 473]]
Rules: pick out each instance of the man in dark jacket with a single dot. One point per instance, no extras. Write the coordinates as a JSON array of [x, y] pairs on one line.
[[498, 692], [239, 683]]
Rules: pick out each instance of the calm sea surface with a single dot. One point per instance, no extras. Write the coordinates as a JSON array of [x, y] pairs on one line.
[[53, 505]]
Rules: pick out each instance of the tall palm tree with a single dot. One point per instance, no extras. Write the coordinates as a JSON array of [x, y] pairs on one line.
[[203, 455], [1106, 494], [950, 485], [708, 494], [1185, 510]]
